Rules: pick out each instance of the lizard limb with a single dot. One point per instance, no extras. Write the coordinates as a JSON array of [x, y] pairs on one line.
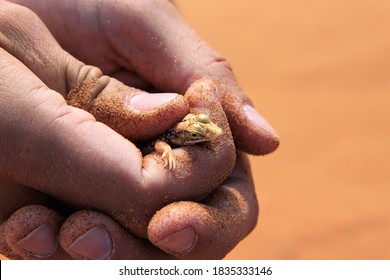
[[166, 152]]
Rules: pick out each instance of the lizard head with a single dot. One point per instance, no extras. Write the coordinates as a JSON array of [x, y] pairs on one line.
[[194, 128]]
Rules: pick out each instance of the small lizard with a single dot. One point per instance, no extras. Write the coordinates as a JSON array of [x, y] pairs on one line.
[[194, 128]]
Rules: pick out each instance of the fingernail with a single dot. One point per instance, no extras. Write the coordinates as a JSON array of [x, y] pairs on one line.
[[258, 119], [145, 102], [40, 243], [95, 244], [180, 242]]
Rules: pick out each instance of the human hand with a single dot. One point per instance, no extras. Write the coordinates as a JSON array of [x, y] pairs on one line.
[[130, 78], [184, 229], [63, 152], [147, 44]]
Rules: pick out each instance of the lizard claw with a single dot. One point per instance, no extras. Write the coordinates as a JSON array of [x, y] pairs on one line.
[[166, 154], [169, 159]]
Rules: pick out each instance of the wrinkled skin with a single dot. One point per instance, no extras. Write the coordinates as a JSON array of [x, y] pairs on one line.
[[62, 158]]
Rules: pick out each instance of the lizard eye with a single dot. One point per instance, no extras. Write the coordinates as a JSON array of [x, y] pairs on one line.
[[193, 134]]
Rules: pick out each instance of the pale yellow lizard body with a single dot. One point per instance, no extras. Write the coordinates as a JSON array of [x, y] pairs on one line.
[[194, 128]]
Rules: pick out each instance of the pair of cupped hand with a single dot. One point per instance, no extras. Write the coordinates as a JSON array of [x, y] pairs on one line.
[[71, 185]]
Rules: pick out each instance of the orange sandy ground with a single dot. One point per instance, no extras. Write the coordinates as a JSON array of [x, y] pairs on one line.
[[320, 72]]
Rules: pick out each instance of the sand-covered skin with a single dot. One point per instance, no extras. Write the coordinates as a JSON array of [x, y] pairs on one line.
[[238, 120], [201, 99], [219, 222], [200, 168], [198, 159], [124, 245], [22, 223], [109, 101]]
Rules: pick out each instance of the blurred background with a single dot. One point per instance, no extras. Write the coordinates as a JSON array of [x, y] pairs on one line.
[[319, 71]]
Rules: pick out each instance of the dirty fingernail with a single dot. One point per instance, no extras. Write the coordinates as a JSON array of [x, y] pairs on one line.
[[180, 242], [258, 119], [95, 244], [145, 102], [40, 243]]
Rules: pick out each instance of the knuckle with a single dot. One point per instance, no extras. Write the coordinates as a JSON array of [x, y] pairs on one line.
[[14, 17], [16, 23]]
